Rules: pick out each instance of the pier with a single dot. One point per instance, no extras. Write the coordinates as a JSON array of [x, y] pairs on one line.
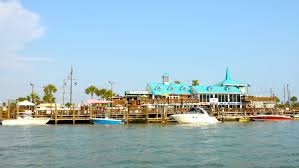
[[141, 115]]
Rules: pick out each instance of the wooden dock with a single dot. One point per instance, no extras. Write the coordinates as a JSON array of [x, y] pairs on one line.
[[139, 115]]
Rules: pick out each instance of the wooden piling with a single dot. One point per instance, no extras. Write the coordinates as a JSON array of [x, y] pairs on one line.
[[8, 110], [74, 119], [146, 115], [1, 112], [90, 110], [56, 121], [164, 115]]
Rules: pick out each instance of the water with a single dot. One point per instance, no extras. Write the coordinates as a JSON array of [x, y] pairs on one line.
[[246, 145]]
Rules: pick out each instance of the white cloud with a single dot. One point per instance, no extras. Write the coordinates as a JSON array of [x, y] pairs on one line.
[[18, 27]]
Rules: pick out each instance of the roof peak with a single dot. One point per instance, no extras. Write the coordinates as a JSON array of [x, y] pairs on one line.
[[228, 76]]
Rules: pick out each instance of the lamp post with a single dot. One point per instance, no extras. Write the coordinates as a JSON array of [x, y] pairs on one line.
[[111, 83]]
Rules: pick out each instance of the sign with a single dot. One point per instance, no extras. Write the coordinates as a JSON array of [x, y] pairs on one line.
[[204, 103], [223, 104], [214, 101], [137, 92], [234, 103]]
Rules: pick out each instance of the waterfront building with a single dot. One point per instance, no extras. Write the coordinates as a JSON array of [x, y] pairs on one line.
[[136, 94], [227, 93], [169, 89], [260, 102]]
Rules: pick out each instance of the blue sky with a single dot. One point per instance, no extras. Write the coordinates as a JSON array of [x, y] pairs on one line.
[[135, 42]]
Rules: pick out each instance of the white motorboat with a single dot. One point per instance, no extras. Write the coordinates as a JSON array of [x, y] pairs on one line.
[[26, 118], [195, 116]]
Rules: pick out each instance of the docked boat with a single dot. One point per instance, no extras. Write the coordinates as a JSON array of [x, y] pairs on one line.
[[195, 116], [25, 118], [106, 121], [271, 118], [296, 117], [245, 119]]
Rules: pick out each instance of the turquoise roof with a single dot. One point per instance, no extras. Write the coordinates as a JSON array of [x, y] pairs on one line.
[[171, 89], [229, 82], [215, 89]]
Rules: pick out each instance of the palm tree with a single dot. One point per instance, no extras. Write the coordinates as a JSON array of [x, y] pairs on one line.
[[91, 90], [101, 92], [294, 99], [20, 99], [49, 91], [177, 82], [34, 97], [195, 83], [104, 93]]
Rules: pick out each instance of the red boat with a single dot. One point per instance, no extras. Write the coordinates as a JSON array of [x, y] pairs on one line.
[[271, 118]]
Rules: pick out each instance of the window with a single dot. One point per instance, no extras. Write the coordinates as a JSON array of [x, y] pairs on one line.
[[183, 88], [170, 88], [158, 88]]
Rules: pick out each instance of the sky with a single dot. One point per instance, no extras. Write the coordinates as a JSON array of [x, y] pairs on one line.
[[134, 42]]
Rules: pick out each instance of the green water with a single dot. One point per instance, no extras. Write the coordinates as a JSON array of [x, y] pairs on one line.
[[240, 145]]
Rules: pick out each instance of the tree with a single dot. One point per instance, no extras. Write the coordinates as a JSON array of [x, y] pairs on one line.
[[177, 82], [277, 100], [91, 90], [35, 98], [101, 92], [68, 105], [49, 91], [195, 83], [20, 99], [294, 99], [104, 93]]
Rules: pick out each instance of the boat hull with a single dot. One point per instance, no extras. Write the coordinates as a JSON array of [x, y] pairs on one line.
[[271, 118], [32, 121], [194, 119], [102, 121], [244, 119]]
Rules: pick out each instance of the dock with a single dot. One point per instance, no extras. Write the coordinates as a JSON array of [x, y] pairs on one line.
[[141, 115]]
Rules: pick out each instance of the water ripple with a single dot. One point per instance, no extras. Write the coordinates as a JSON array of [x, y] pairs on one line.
[[246, 145]]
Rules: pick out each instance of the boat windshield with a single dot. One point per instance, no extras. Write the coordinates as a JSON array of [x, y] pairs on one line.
[[196, 111]]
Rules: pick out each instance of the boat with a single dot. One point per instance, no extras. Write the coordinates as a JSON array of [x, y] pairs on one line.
[[25, 118], [245, 119], [296, 117], [271, 118], [106, 121], [195, 116]]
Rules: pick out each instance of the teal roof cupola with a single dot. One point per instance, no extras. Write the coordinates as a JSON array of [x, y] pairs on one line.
[[166, 79], [229, 82]]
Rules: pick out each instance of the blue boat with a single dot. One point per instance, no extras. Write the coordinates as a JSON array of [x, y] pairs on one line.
[[106, 121]]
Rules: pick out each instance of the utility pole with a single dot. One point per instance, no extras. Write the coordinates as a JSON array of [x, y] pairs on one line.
[[288, 93], [71, 87], [284, 94], [111, 83], [32, 91], [63, 93], [271, 92]]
